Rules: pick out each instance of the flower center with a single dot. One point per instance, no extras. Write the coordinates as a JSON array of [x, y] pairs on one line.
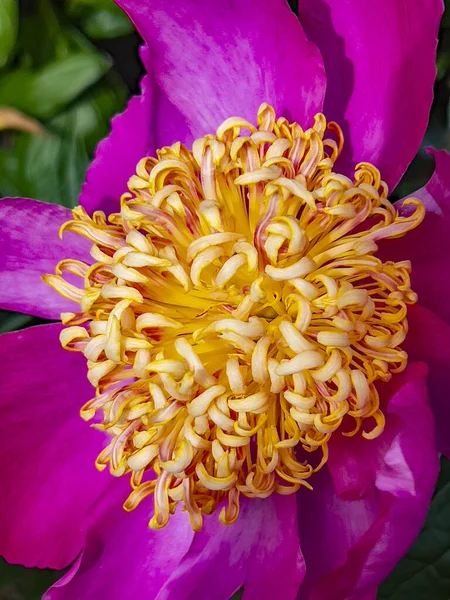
[[236, 315]]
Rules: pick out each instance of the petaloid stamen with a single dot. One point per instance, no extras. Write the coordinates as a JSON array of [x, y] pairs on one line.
[[235, 315]]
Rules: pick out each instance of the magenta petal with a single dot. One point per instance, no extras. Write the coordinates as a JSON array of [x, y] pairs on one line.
[[380, 64], [350, 545], [116, 157], [428, 340], [49, 481], [439, 185], [260, 551], [329, 528], [214, 60], [149, 122], [30, 247], [206, 63], [122, 558], [428, 246]]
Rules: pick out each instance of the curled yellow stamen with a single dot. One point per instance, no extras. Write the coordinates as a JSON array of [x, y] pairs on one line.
[[236, 313]]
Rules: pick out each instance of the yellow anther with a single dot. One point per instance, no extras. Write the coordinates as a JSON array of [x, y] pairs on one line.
[[308, 359], [302, 267], [70, 336], [293, 338], [143, 457], [155, 320], [200, 404]]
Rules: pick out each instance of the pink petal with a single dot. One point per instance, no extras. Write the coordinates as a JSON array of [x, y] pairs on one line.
[[149, 122], [116, 157], [428, 246], [217, 60], [439, 185], [428, 340], [428, 249], [30, 248], [380, 64], [257, 551], [49, 482], [355, 531], [255, 51], [123, 558], [260, 551]]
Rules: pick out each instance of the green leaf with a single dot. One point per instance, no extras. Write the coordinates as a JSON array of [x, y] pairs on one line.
[[58, 63], [43, 93], [238, 594], [42, 36], [417, 174], [424, 573], [443, 53], [445, 23], [105, 24], [17, 582], [46, 35], [100, 19], [11, 321], [78, 7], [88, 118], [47, 168], [9, 20]]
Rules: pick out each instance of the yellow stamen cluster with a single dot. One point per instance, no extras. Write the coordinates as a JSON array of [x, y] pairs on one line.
[[236, 314]]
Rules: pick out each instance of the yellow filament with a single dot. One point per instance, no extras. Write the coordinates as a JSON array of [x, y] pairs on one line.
[[235, 314]]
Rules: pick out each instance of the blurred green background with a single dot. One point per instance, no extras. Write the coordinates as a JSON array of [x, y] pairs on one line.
[[66, 68]]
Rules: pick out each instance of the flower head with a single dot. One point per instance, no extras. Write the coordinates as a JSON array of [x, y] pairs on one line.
[[241, 310], [237, 314]]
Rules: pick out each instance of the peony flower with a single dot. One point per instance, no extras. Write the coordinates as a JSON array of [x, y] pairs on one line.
[[265, 332]]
